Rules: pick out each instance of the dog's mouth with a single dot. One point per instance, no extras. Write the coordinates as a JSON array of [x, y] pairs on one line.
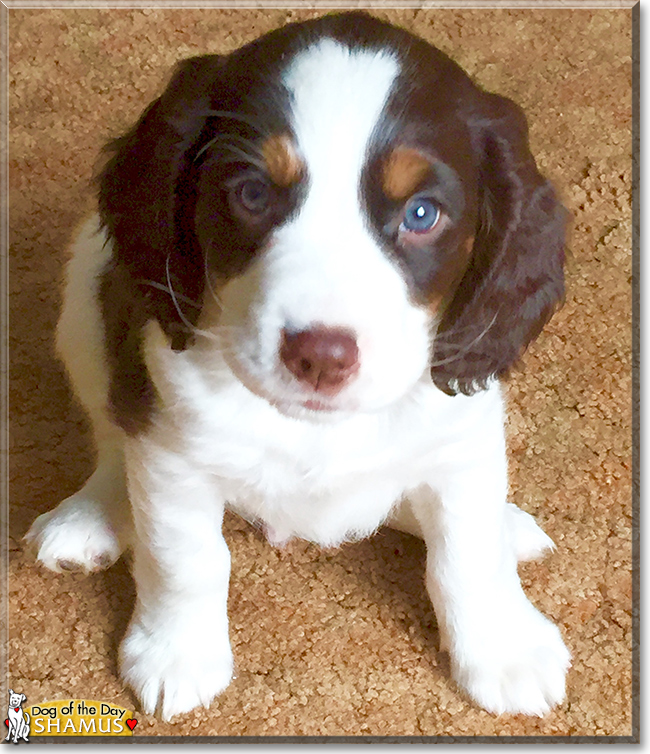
[[293, 402], [317, 405], [311, 409]]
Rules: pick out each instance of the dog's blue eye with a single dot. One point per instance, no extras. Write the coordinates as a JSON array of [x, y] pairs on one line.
[[420, 215]]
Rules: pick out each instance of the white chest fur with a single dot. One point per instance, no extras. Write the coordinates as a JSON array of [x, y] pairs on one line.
[[325, 480]]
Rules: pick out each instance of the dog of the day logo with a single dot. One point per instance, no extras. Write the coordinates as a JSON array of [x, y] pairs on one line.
[[17, 719], [79, 717]]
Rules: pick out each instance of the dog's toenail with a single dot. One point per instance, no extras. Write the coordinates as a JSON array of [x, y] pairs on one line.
[[69, 565], [103, 560]]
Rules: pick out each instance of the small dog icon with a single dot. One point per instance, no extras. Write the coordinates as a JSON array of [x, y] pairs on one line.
[[18, 720]]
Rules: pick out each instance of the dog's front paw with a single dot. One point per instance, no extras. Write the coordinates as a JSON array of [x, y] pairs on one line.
[[76, 536], [519, 666], [174, 667], [528, 539]]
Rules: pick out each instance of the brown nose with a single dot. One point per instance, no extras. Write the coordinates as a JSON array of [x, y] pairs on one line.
[[325, 358]]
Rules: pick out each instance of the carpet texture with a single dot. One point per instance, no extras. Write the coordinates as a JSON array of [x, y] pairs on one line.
[[340, 642]]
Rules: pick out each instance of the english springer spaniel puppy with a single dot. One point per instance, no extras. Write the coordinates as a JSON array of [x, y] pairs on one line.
[[312, 261]]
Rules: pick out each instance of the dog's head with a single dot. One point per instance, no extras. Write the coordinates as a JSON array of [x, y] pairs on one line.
[[15, 700], [345, 206]]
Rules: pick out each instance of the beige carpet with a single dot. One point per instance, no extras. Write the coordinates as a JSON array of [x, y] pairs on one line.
[[341, 643]]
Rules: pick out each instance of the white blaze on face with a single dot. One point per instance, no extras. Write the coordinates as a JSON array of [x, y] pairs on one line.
[[337, 98], [324, 266]]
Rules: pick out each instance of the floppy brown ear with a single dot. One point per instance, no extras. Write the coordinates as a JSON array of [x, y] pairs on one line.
[[515, 279], [142, 196]]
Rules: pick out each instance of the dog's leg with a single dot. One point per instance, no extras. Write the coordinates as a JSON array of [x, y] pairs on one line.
[[176, 654], [503, 651], [89, 530], [528, 539]]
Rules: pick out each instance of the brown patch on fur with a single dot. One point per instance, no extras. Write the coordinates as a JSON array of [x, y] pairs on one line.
[[447, 283], [403, 172], [132, 397], [282, 161]]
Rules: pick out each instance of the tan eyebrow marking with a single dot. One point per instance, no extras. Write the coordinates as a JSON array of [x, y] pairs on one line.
[[282, 160], [403, 172]]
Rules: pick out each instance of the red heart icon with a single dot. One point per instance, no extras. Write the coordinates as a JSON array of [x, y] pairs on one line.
[[7, 723], [132, 723]]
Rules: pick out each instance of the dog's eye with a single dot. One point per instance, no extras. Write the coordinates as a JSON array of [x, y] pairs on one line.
[[254, 195], [420, 215]]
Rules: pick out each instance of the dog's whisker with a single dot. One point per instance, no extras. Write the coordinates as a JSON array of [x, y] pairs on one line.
[[206, 273], [467, 347], [165, 289], [241, 117], [244, 156], [170, 287], [217, 337], [225, 141], [176, 297], [453, 333]]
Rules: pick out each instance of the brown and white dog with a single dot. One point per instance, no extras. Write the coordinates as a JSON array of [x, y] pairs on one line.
[[313, 259]]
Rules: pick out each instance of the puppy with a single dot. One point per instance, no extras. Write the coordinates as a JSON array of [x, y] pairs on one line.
[[312, 261], [17, 718]]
